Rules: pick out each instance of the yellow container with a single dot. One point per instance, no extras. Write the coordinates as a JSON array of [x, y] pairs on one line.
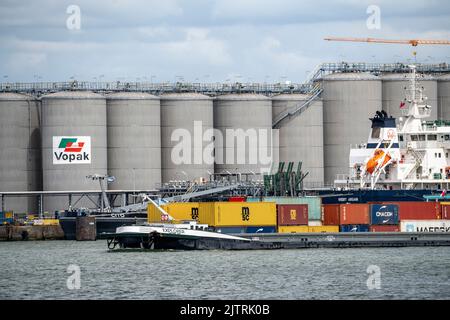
[[293, 229], [8, 215], [221, 214], [30, 217], [323, 229], [177, 210], [50, 222]]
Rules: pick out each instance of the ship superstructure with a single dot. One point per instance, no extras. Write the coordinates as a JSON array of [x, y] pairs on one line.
[[408, 154]]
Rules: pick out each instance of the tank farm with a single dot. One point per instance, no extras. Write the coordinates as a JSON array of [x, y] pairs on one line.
[[80, 159]]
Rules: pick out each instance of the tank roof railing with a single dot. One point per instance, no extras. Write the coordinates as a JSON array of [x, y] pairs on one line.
[[214, 89]]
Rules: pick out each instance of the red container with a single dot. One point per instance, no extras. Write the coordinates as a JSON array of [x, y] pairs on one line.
[[236, 199], [445, 211], [330, 214], [384, 228], [292, 214], [412, 210], [354, 213]]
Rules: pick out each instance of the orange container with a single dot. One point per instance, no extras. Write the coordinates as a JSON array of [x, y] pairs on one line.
[[330, 214], [354, 213]]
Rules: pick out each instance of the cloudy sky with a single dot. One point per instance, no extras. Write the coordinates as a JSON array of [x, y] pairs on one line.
[[207, 41]]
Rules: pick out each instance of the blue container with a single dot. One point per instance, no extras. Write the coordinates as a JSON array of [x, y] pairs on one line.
[[354, 228], [384, 214], [228, 230], [6, 221], [2, 214], [270, 229]]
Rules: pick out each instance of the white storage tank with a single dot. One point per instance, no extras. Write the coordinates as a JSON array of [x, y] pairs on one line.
[[134, 140], [20, 155], [444, 97], [349, 99], [243, 116], [74, 144], [183, 150], [301, 135]]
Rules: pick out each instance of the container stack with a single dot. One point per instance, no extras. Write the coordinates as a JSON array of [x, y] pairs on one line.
[[239, 217]]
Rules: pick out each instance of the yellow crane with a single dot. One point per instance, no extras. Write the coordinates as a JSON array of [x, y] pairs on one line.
[[413, 42]]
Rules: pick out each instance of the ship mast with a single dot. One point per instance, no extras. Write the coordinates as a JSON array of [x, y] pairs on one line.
[[417, 109]]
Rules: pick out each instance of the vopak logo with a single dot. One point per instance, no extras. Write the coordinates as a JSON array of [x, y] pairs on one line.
[[68, 150]]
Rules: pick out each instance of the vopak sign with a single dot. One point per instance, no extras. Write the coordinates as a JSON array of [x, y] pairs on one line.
[[71, 150], [384, 214]]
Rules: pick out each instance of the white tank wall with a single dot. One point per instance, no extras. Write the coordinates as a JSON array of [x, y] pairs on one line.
[[73, 113], [393, 91], [444, 97], [301, 136], [179, 111], [134, 141], [20, 158], [243, 111], [348, 102]]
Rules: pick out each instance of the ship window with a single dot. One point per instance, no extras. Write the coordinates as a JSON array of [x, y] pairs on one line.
[[421, 137], [447, 137], [432, 137], [446, 154], [400, 138], [414, 137], [376, 133], [435, 155], [439, 154]]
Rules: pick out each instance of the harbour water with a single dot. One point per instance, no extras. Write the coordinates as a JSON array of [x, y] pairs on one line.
[[39, 270]]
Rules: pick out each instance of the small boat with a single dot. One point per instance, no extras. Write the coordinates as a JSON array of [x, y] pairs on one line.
[[184, 236]]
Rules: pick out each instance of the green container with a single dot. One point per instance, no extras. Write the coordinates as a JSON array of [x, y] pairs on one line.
[[253, 199], [314, 204]]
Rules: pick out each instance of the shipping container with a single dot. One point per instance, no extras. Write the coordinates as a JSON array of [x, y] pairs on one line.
[[236, 199], [228, 230], [177, 210], [445, 210], [425, 226], [292, 214], [354, 228], [6, 221], [254, 199], [330, 214], [315, 223], [261, 229], [418, 210], [229, 214], [293, 229], [385, 228], [46, 222], [9, 215], [384, 214], [2, 215], [354, 214], [323, 229], [314, 204]]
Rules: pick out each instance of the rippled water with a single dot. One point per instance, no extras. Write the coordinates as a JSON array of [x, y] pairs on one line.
[[38, 270]]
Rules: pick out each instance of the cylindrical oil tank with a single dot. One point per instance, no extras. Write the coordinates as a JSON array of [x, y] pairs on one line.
[[74, 145], [134, 140], [245, 125], [187, 145], [394, 87], [301, 135], [444, 97], [349, 99], [20, 152]]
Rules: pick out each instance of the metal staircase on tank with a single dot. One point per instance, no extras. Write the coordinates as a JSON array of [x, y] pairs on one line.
[[299, 108]]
